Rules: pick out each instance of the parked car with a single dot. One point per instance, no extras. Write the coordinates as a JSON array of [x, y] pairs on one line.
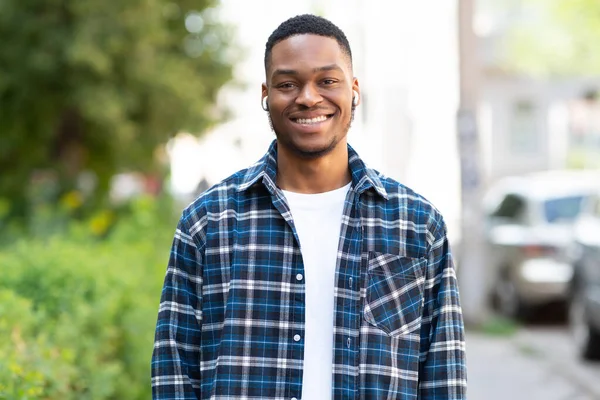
[[584, 309], [528, 226]]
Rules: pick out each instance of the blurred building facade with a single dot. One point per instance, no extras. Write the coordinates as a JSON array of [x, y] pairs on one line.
[[530, 124]]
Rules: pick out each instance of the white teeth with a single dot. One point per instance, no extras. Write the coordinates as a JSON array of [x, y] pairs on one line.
[[312, 120]]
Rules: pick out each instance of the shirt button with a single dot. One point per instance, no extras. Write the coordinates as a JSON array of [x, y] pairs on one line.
[[296, 338], [299, 277], [293, 398]]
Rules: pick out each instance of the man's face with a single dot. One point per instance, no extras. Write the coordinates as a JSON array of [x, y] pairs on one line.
[[309, 84]]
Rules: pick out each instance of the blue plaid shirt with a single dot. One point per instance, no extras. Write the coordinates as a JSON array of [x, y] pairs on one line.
[[232, 310]]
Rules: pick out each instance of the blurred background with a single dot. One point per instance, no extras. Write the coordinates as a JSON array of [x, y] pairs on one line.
[[114, 116]]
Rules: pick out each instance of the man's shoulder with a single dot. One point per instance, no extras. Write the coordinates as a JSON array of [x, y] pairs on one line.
[[215, 195], [414, 205]]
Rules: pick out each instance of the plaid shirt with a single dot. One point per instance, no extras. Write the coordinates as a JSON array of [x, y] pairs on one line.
[[232, 311]]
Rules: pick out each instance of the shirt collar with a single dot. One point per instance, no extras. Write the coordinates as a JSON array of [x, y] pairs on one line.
[[265, 170]]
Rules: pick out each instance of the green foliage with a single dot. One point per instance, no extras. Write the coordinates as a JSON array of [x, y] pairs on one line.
[[93, 85], [499, 326], [581, 157], [77, 314], [558, 37]]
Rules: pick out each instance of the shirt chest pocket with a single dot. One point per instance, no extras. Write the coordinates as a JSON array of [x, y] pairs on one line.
[[394, 293]]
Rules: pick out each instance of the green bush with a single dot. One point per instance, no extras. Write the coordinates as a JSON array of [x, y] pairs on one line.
[[79, 312]]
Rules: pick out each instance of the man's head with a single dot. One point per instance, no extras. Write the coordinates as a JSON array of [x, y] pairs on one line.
[[307, 24], [310, 90]]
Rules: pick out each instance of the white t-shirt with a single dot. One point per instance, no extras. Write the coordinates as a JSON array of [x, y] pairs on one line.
[[318, 220]]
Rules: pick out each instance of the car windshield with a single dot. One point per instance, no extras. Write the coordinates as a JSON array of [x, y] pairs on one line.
[[564, 209]]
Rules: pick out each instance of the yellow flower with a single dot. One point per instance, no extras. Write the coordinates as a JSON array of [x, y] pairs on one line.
[[16, 369], [100, 222], [72, 200], [34, 391]]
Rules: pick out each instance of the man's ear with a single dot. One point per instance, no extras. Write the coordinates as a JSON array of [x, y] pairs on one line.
[[265, 91], [356, 88], [264, 100]]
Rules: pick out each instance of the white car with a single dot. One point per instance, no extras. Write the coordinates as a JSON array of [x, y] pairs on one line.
[[529, 223]]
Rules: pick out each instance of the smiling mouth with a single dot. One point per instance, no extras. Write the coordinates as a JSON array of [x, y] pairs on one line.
[[312, 121]]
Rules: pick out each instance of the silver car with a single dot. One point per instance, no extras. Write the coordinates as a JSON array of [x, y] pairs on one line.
[[529, 223]]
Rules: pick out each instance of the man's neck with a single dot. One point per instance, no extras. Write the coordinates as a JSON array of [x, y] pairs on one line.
[[323, 174]]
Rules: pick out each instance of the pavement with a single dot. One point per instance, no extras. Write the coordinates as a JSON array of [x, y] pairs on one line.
[[529, 365], [554, 347]]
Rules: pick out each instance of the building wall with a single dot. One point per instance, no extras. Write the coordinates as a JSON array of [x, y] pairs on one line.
[[525, 123]]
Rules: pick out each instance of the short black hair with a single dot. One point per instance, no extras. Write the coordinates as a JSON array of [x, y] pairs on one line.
[[307, 24]]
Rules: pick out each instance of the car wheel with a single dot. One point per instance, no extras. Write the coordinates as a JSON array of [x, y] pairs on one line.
[[508, 300], [587, 340]]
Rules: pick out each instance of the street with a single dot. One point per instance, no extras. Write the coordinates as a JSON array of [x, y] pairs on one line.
[[535, 363]]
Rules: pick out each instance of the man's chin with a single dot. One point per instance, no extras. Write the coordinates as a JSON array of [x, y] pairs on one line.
[[308, 151], [314, 153]]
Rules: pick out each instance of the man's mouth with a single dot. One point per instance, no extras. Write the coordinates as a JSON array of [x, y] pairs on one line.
[[312, 121]]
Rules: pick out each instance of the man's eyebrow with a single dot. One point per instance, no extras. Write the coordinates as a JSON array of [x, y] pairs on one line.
[[332, 67], [285, 72]]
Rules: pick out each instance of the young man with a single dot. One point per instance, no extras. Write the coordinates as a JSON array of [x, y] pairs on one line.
[[309, 275]]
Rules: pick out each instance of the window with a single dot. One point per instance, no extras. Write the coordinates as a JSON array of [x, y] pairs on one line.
[[564, 209], [524, 138], [512, 207]]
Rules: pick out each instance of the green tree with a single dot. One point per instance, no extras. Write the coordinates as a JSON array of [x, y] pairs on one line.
[[555, 38], [94, 85]]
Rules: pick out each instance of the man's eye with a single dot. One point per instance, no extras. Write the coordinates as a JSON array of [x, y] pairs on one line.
[[328, 81], [285, 85]]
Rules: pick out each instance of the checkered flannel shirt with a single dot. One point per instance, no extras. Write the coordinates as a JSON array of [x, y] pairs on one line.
[[232, 310]]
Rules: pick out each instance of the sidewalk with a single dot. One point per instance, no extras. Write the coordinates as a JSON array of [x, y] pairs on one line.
[[555, 347], [509, 369]]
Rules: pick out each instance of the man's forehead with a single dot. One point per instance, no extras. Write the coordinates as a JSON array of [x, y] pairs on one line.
[[306, 39], [308, 48]]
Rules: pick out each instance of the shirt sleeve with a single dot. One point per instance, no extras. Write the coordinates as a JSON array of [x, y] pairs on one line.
[[176, 355], [442, 373]]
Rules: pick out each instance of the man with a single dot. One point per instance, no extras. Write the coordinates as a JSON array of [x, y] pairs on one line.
[[309, 275]]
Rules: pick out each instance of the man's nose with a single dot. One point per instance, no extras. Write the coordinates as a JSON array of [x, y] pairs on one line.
[[309, 96]]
